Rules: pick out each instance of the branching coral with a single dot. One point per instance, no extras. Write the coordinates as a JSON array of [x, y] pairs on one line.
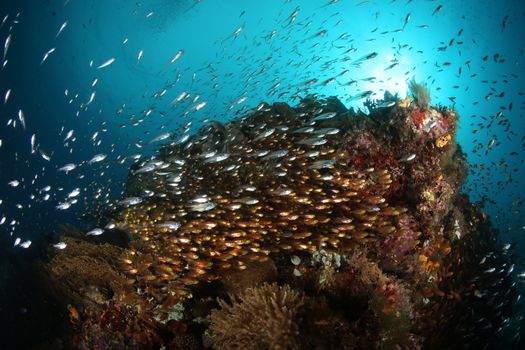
[[263, 317]]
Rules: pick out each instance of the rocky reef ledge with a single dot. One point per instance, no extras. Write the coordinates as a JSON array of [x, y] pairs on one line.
[[306, 227]]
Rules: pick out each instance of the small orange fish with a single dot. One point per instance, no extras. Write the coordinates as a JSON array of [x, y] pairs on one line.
[[73, 313]]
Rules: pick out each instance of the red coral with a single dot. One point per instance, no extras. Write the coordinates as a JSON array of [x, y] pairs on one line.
[[418, 116]]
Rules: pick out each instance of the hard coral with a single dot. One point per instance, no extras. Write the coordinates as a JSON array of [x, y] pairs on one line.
[[263, 317]]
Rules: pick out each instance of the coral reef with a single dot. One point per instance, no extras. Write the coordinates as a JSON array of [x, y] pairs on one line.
[[254, 201], [325, 228]]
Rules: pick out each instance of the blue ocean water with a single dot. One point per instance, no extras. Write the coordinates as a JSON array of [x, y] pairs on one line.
[[174, 65]]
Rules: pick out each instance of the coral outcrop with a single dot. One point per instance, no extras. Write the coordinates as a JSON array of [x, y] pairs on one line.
[[325, 228]]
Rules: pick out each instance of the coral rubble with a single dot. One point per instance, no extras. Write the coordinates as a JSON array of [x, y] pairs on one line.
[[306, 227]]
